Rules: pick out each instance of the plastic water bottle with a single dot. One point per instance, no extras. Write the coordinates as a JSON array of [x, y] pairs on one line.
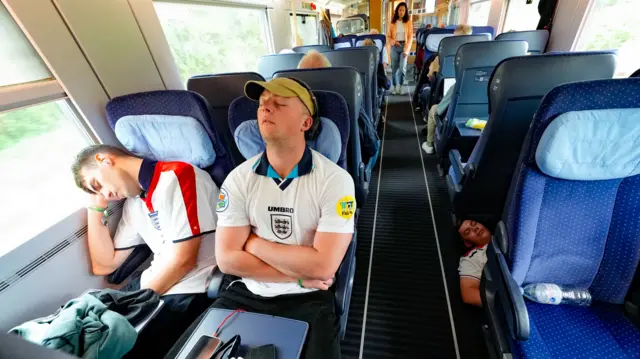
[[548, 293]]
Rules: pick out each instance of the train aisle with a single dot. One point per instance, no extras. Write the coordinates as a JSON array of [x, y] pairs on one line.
[[401, 293]]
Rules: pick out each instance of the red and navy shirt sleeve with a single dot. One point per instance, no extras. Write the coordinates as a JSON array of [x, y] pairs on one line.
[[183, 200], [472, 263]]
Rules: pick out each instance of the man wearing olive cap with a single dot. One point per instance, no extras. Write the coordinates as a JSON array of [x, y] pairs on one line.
[[285, 220]]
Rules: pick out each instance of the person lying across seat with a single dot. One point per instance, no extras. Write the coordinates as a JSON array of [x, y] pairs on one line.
[[286, 222], [168, 206], [476, 237]]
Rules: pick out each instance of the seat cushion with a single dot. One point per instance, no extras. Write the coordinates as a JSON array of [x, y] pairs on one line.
[[561, 331], [328, 142], [166, 138]]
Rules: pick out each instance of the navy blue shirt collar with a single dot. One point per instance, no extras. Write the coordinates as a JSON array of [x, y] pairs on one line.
[[263, 168], [145, 175]]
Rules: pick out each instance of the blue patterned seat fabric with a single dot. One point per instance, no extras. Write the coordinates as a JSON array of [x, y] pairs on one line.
[[174, 103], [579, 233]]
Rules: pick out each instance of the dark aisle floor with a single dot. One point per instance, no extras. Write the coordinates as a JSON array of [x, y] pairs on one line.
[[407, 312]]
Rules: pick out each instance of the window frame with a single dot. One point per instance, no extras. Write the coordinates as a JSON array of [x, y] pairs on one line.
[[474, 2], [159, 45], [27, 94]]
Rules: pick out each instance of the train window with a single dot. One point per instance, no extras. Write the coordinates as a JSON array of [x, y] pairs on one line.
[[208, 39], [351, 26], [19, 61], [40, 134], [307, 28], [37, 146], [613, 24], [479, 12], [521, 16], [455, 15]]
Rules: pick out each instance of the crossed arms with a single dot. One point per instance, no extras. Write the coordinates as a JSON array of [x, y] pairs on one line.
[[242, 253]]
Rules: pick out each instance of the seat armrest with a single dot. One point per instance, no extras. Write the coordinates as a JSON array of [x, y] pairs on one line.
[[501, 238], [508, 291], [456, 163], [214, 285]]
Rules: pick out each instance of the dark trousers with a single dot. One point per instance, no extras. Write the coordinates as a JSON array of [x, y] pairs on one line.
[[316, 308], [179, 311]]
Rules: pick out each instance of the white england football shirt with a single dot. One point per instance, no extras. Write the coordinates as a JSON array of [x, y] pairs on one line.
[[317, 196], [472, 263], [177, 205]]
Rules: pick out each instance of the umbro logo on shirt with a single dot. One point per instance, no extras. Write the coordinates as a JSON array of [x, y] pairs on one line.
[[280, 209]]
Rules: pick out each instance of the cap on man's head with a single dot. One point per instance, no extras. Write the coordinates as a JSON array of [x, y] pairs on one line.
[[280, 86]]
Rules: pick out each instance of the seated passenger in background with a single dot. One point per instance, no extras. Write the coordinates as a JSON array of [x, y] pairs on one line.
[[285, 223], [313, 60], [441, 108], [476, 237], [169, 206], [383, 81]]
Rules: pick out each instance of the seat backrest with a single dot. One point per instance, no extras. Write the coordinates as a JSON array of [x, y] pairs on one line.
[[362, 59], [572, 216], [474, 64], [146, 123], [306, 48], [516, 88], [433, 37], [348, 83], [378, 39], [479, 30], [220, 90], [342, 42], [449, 48], [335, 119], [270, 64], [537, 39], [420, 37]]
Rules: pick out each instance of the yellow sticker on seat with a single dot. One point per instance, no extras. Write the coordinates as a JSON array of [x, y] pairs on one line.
[[346, 207]]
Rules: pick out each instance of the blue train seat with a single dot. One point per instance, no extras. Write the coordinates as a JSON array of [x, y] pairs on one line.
[[220, 90], [572, 220], [479, 187], [154, 118], [363, 60], [376, 101], [335, 117], [446, 55], [537, 39], [270, 64], [344, 42], [432, 39], [348, 83], [378, 39], [306, 48], [478, 30], [474, 64]]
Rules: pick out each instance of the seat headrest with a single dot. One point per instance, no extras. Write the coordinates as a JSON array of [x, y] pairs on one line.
[[328, 142], [591, 145], [166, 138], [432, 43]]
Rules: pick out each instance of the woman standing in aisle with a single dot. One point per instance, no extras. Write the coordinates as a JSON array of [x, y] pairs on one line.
[[399, 38]]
